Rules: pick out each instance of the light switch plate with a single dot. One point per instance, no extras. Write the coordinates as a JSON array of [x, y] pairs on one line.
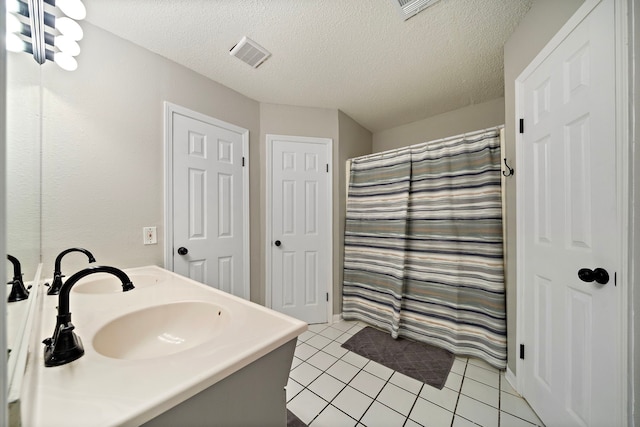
[[149, 236]]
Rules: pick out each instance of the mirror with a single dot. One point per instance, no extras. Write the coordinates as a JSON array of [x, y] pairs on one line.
[[23, 193], [23, 161]]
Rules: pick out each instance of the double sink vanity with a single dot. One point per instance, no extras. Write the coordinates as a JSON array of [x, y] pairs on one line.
[[171, 351]]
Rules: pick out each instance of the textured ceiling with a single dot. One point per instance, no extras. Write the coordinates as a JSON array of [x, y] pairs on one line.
[[358, 56]]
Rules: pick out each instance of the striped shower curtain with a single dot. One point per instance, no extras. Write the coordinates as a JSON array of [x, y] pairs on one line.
[[423, 245]]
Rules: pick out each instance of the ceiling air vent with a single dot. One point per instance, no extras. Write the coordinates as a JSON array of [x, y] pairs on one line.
[[250, 52], [408, 8]]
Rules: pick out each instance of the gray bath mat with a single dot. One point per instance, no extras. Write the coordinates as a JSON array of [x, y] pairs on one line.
[[417, 360]]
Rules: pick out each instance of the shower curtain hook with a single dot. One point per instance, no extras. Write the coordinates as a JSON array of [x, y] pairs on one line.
[[510, 169]]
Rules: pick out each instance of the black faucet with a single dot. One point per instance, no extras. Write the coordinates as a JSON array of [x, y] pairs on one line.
[[65, 346], [18, 291], [56, 284]]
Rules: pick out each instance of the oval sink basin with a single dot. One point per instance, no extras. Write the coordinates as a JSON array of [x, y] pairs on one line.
[[103, 283], [160, 330]]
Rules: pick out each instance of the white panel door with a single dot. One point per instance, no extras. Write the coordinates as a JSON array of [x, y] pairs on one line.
[[571, 329], [300, 227], [208, 204]]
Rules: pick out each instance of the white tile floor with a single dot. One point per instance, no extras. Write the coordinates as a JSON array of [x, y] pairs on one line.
[[331, 386]]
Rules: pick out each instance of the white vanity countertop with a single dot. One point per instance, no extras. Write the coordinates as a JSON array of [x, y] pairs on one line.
[[96, 390]]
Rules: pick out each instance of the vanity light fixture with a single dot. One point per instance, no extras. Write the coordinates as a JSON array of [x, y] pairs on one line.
[[40, 28]]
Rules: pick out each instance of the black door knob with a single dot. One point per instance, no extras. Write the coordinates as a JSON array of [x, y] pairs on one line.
[[182, 250], [600, 275], [277, 243]]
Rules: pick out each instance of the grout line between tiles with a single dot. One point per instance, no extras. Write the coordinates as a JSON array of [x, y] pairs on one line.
[[414, 403], [499, 399], [455, 409], [323, 408], [377, 394]]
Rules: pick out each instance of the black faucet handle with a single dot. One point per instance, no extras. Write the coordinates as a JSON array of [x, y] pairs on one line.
[[56, 284], [17, 268], [65, 348], [18, 291]]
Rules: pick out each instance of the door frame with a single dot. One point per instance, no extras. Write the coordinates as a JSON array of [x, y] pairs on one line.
[[328, 142], [623, 188], [169, 110]]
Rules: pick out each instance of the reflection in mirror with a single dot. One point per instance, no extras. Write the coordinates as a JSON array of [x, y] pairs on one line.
[[23, 161], [18, 291], [23, 194]]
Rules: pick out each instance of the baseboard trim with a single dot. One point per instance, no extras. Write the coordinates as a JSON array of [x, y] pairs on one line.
[[512, 380]]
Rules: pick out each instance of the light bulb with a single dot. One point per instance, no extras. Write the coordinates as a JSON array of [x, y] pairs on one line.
[[67, 45], [69, 28], [14, 43], [13, 24], [64, 61], [72, 8], [13, 6]]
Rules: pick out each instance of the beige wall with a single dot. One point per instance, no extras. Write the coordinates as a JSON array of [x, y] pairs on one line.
[[103, 143], [293, 121], [541, 23], [467, 119], [355, 141]]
